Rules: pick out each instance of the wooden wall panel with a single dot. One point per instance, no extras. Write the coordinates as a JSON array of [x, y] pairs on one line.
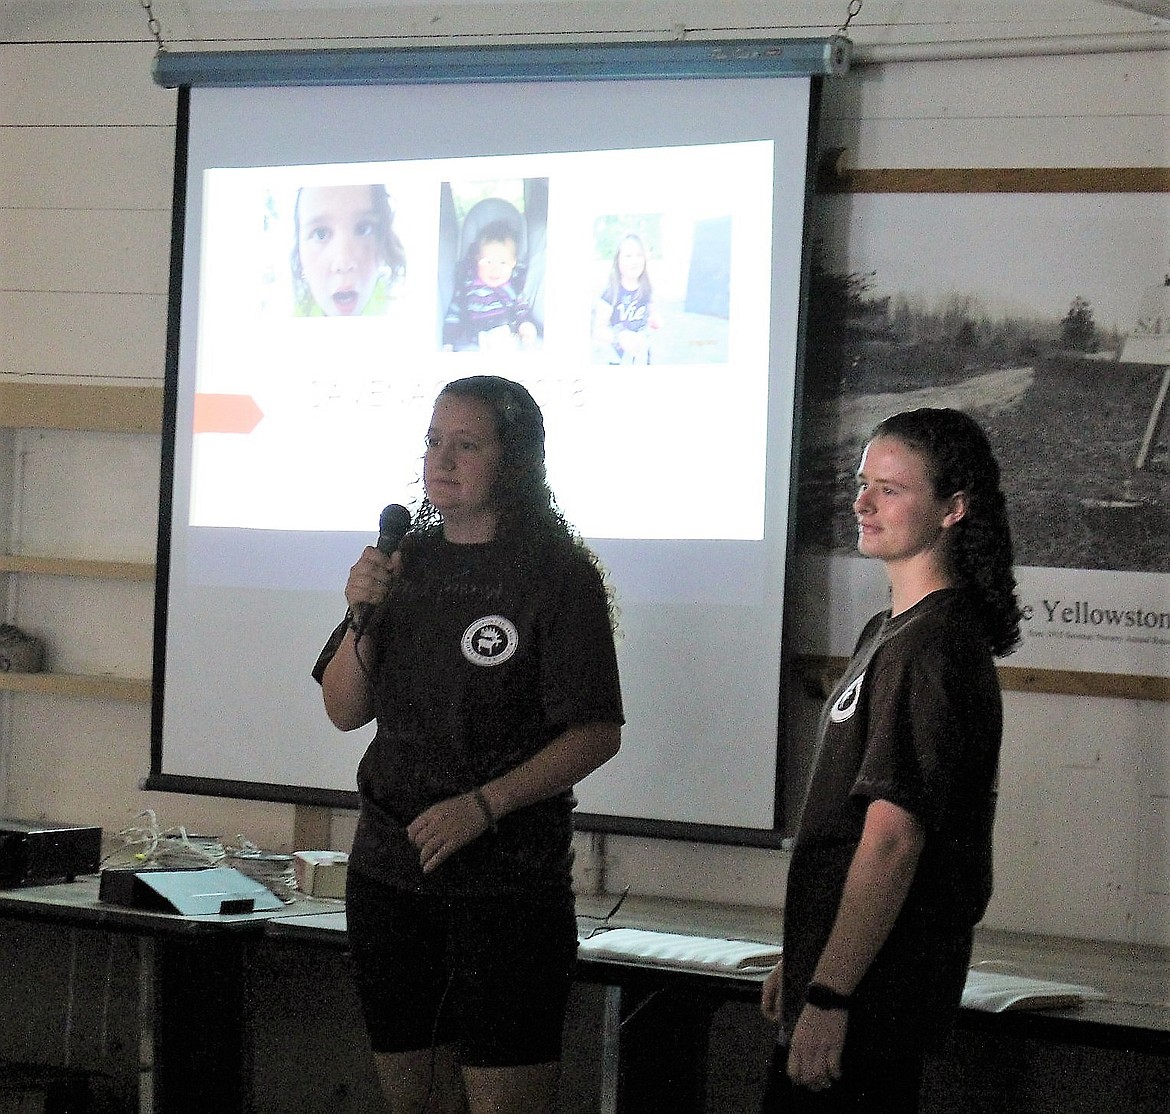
[[84, 130], [85, 251], [87, 635], [74, 336], [125, 167], [86, 215], [1042, 88], [88, 495], [82, 761], [880, 21], [1092, 110], [1128, 141], [103, 84], [81, 20]]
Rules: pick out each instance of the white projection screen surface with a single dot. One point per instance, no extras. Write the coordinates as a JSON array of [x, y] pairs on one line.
[[296, 412]]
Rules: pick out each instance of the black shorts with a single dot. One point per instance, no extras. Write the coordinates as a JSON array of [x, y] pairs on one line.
[[488, 975]]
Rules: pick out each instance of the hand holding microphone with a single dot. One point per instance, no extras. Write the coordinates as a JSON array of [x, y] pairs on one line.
[[370, 577]]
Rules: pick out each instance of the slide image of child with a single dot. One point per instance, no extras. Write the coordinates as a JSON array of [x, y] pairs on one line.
[[665, 286], [346, 256], [624, 318], [487, 310]]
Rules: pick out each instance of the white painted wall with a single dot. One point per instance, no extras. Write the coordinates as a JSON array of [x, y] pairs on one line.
[[85, 187]]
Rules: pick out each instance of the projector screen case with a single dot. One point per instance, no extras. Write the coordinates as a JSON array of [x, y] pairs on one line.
[[447, 65], [674, 460]]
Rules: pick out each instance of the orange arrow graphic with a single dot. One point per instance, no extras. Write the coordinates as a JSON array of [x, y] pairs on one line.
[[226, 413]]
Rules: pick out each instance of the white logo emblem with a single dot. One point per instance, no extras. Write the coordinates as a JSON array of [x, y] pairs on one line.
[[846, 704], [490, 641]]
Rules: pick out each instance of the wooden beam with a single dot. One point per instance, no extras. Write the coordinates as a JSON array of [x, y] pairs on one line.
[[81, 406], [77, 566], [312, 828], [835, 177], [1122, 686], [101, 687]]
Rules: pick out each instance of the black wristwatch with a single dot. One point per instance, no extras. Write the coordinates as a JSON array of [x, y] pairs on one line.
[[826, 998]]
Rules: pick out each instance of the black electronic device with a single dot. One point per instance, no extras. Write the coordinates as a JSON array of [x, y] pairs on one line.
[[193, 892], [127, 885], [36, 851]]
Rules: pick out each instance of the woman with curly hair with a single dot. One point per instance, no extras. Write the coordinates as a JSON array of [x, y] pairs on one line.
[[891, 867], [488, 663]]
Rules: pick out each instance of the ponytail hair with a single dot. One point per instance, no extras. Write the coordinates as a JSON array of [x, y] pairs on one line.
[[959, 458]]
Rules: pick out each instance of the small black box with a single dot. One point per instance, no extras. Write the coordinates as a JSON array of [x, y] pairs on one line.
[[35, 851], [130, 886], [197, 892]]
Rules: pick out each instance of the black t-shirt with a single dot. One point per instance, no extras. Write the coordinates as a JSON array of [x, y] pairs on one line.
[[916, 720], [480, 660]]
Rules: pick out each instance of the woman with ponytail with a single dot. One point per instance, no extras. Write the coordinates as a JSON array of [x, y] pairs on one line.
[[891, 867]]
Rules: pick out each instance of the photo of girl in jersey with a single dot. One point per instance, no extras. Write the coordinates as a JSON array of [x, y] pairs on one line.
[[664, 287], [624, 318], [346, 257]]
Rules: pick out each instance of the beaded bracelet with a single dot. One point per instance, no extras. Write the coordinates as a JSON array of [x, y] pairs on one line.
[[481, 800]]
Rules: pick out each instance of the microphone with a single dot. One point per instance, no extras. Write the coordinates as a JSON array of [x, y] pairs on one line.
[[393, 523]]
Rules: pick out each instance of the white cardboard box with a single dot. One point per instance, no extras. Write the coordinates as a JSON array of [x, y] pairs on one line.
[[321, 873]]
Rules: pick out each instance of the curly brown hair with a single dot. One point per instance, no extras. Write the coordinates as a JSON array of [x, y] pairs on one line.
[[529, 519], [959, 457]]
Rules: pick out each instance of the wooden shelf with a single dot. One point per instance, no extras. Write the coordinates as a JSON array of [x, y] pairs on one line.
[[77, 566], [835, 176], [81, 406], [132, 689]]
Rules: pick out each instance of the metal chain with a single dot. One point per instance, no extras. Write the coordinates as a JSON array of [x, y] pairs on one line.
[[853, 9], [153, 25]]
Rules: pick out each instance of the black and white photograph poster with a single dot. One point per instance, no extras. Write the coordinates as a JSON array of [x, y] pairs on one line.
[[1047, 318]]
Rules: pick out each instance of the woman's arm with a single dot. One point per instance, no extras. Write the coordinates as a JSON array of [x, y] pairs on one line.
[[770, 993], [571, 756], [345, 684], [349, 703], [451, 824], [879, 878], [876, 886]]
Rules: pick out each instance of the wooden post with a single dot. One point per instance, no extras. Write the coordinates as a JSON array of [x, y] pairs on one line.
[[312, 828]]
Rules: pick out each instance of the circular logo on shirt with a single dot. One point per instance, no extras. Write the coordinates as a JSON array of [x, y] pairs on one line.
[[491, 640]]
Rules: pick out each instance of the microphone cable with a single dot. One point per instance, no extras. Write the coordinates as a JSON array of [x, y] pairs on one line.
[[433, 1069], [434, 1062]]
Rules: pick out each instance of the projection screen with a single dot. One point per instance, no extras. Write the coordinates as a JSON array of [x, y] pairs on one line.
[[296, 412]]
